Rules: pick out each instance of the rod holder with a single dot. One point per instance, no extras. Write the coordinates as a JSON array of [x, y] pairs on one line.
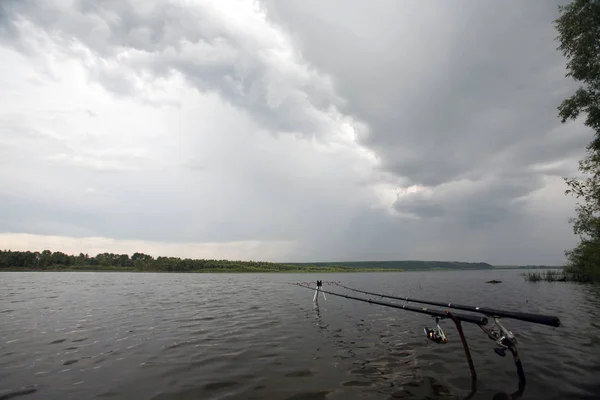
[[317, 290]]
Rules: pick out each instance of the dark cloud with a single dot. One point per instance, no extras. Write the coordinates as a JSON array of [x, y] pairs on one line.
[[472, 203], [8, 30], [463, 91], [471, 80]]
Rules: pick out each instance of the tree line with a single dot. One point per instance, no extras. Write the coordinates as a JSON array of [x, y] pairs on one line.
[[57, 260], [34, 260]]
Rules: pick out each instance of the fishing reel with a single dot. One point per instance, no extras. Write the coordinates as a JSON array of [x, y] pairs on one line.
[[503, 338], [437, 334]]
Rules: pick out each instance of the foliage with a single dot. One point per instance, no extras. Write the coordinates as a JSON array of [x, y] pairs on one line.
[[579, 35], [548, 276], [51, 261]]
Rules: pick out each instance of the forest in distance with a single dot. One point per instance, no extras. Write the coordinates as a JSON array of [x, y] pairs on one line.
[[58, 261]]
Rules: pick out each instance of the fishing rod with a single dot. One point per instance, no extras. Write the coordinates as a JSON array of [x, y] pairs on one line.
[[435, 335], [490, 312], [505, 339], [473, 319]]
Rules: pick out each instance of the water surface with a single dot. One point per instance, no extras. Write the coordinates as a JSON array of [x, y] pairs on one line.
[[80, 335]]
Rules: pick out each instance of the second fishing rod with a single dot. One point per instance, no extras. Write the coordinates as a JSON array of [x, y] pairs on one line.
[[473, 319], [491, 312]]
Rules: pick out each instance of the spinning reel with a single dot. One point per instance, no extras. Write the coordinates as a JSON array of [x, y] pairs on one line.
[[437, 334], [503, 338]]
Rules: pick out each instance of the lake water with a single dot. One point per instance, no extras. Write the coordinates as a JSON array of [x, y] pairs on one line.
[[251, 336]]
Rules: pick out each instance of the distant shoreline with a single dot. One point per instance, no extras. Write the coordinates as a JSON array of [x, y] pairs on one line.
[[207, 271], [48, 261], [318, 270]]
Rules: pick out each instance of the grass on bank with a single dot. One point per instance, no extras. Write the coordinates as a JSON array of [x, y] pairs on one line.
[[564, 275], [546, 276]]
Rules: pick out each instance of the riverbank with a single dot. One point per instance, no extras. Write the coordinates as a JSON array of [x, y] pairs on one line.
[[33, 261], [47, 260], [321, 270], [211, 271]]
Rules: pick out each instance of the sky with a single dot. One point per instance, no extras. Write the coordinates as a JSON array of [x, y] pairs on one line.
[[301, 130]]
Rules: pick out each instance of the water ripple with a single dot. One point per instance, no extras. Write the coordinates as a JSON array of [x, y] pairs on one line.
[[217, 336]]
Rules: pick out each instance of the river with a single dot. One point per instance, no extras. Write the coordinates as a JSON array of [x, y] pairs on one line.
[[85, 335]]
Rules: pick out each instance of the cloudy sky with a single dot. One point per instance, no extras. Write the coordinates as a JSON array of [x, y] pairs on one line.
[[299, 130]]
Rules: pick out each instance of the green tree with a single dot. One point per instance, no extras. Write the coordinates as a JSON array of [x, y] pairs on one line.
[[45, 258], [82, 259], [579, 35]]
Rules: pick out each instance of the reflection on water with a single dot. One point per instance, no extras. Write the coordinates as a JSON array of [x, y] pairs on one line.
[[191, 336]]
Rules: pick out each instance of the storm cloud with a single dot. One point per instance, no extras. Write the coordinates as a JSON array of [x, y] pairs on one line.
[[297, 130]]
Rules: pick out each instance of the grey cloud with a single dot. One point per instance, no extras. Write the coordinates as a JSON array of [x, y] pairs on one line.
[[426, 130], [17, 134], [472, 95], [8, 30], [241, 193], [160, 208], [114, 81], [206, 51], [487, 70], [450, 93], [473, 204], [372, 235]]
